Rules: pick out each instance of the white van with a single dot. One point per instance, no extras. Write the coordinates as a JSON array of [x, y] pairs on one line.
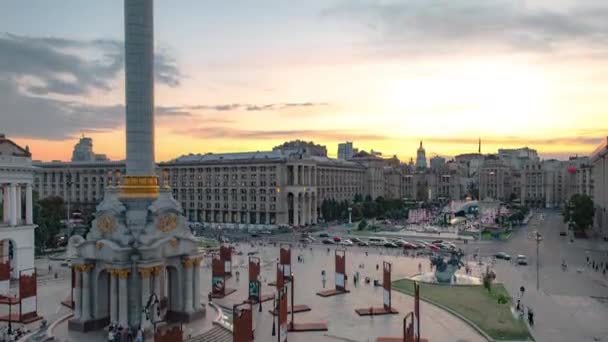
[[377, 241]]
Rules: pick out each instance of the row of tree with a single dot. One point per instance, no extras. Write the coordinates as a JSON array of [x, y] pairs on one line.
[[368, 208]]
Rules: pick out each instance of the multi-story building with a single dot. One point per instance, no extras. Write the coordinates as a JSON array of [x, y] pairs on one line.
[[518, 157], [495, 179], [83, 151], [345, 150], [437, 162], [79, 183], [600, 188]]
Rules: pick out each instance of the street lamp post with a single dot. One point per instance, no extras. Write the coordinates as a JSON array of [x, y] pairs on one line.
[[68, 224], [274, 307], [538, 237]]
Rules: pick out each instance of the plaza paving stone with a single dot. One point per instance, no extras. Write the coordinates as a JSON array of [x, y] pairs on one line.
[[338, 312]]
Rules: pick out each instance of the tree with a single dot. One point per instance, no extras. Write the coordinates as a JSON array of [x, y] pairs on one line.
[[48, 213], [362, 225], [488, 278], [579, 211]]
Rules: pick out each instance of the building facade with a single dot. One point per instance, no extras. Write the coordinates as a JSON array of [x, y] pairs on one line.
[[600, 189], [17, 225], [421, 158]]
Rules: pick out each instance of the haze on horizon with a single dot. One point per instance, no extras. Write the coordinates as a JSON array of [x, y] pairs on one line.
[[240, 75]]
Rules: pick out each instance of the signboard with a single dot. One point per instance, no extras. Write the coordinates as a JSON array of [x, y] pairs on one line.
[[283, 314], [5, 277], [242, 329], [218, 276], [285, 260], [340, 270], [386, 284], [254, 283], [280, 276], [226, 256], [28, 293]]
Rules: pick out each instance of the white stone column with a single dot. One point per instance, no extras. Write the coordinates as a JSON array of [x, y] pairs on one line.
[[28, 204], [113, 296], [6, 202], [19, 204], [188, 284], [13, 204], [156, 289], [197, 284], [296, 209], [123, 297], [86, 293], [145, 295], [77, 292], [295, 174]]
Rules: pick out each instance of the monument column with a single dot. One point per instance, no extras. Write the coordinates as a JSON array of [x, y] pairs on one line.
[[197, 283], [145, 294], [28, 204], [113, 296], [86, 293], [139, 86], [188, 286], [123, 297], [77, 292]]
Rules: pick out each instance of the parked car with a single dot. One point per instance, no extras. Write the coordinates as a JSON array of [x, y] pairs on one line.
[[328, 242], [356, 240], [399, 242], [563, 233], [362, 244], [409, 245], [337, 238], [433, 248], [522, 259], [422, 242], [346, 242], [502, 255], [323, 235], [436, 242], [266, 232], [390, 245]]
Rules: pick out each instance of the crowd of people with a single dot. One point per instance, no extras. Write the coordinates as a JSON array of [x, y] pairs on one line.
[[118, 333]]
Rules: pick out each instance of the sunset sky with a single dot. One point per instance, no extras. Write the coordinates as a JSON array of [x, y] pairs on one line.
[[248, 75]]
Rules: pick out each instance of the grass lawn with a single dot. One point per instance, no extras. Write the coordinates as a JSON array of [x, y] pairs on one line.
[[476, 304]]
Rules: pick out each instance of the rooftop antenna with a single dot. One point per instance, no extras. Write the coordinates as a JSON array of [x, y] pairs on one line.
[[479, 146]]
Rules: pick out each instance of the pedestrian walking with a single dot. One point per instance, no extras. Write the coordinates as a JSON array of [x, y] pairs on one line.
[[323, 279], [419, 267], [111, 334], [237, 275]]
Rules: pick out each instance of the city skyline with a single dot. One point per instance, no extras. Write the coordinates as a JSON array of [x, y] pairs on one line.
[[515, 74]]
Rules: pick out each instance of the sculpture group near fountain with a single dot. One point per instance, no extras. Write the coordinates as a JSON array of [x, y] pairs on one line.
[[445, 270]]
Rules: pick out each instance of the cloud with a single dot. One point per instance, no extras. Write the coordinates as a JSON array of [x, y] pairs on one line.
[[61, 66], [454, 26], [256, 107], [579, 139], [306, 134]]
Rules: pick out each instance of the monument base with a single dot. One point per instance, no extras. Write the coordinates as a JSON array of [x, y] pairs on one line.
[[376, 311], [297, 309], [90, 325]]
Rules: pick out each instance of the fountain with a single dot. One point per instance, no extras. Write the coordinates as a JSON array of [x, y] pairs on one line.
[[445, 271]]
